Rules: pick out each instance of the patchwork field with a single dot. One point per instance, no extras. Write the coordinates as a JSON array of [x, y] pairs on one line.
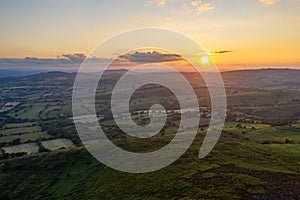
[[18, 125], [263, 133], [9, 106], [28, 137], [257, 156], [30, 111], [33, 147], [22, 132], [296, 124], [55, 144], [275, 134], [29, 148]]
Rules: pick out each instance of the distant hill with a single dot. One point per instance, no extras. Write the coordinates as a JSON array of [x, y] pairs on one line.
[[260, 79], [263, 78], [18, 73], [33, 78]]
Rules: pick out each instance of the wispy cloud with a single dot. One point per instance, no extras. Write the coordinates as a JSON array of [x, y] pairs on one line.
[[66, 60], [158, 2], [268, 2], [197, 6], [77, 57], [150, 57], [216, 52]]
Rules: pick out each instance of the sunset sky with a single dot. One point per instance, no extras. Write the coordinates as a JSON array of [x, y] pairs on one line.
[[258, 32]]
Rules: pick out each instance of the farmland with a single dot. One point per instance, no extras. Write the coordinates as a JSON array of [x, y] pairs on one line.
[[22, 132], [257, 155], [9, 106], [57, 144], [18, 125], [29, 148]]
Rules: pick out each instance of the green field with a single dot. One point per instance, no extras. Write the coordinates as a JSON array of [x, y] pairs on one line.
[[18, 125], [256, 157], [263, 132], [26, 137], [247, 125], [30, 111], [24, 132], [296, 124], [233, 170], [20, 130], [274, 134], [9, 106]]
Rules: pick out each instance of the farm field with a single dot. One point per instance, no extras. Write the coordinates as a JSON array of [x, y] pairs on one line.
[[29, 148], [275, 134], [257, 156], [18, 125], [29, 111], [9, 106], [56, 144], [296, 124], [28, 137], [34, 147], [22, 132]]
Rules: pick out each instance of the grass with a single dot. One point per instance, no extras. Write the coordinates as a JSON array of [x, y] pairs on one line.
[[233, 170], [23, 131], [18, 125], [57, 175], [9, 106], [26, 137], [30, 111], [247, 125], [274, 134], [263, 132], [263, 98], [290, 150], [296, 124], [281, 112], [47, 112], [20, 130]]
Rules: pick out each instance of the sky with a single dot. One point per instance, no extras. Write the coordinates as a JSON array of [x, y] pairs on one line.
[[257, 33]]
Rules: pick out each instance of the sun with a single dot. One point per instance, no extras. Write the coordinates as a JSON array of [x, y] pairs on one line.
[[205, 59]]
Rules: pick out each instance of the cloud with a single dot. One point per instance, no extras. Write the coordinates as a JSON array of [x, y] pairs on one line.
[[196, 6], [204, 7], [268, 2], [62, 61], [150, 57], [216, 52], [77, 57], [158, 2], [221, 52]]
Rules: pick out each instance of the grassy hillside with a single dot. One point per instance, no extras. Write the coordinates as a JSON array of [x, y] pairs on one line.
[[256, 158], [234, 170]]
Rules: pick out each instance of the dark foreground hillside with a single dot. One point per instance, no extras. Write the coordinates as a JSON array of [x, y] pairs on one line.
[[234, 170]]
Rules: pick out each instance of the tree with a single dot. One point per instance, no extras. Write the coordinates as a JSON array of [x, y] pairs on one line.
[[238, 126], [163, 132]]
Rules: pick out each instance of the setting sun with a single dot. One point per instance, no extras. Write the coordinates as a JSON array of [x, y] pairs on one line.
[[204, 59]]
